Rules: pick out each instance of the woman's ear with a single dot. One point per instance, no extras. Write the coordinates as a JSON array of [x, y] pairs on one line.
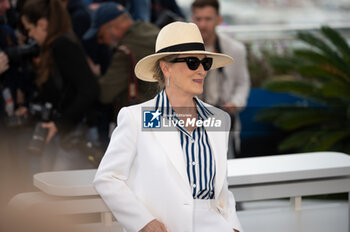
[[42, 23], [165, 67]]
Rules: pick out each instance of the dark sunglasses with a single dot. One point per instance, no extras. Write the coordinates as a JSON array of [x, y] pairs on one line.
[[193, 62]]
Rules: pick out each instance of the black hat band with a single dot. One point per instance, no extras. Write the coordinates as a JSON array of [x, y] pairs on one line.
[[183, 47]]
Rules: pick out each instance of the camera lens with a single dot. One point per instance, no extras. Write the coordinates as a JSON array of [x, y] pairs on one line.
[[37, 143]]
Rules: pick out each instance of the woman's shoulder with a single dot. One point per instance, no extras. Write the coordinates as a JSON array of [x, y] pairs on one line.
[[133, 114], [67, 48], [138, 108]]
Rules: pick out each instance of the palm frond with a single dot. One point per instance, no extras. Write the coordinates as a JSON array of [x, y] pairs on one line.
[[336, 90], [291, 119], [313, 140], [313, 57], [338, 41], [324, 69], [325, 140], [326, 50], [286, 64], [270, 114], [303, 89], [320, 73], [296, 141]]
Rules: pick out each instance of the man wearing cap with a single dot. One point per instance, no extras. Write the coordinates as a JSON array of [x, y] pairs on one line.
[[130, 42], [227, 87]]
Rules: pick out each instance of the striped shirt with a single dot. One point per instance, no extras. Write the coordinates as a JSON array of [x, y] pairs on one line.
[[200, 163]]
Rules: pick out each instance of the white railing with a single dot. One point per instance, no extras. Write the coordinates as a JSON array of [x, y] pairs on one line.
[[259, 178]]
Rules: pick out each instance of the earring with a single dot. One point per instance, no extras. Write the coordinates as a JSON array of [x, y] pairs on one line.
[[168, 82]]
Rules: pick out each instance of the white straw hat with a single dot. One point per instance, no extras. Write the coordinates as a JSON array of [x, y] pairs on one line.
[[177, 38]]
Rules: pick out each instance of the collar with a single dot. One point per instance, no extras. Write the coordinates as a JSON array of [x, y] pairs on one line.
[[164, 107]]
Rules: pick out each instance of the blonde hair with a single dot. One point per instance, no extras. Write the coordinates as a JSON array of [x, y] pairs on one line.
[[157, 71]]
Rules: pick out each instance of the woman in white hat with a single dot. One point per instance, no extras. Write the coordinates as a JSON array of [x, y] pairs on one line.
[[165, 166]]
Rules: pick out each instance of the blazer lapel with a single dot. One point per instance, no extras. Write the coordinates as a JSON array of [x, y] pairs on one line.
[[170, 142], [219, 150]]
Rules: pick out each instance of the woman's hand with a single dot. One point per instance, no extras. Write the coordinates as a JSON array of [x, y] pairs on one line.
[[95, 68], [154, 226], [21, 111], [4, 62], [51, 126]]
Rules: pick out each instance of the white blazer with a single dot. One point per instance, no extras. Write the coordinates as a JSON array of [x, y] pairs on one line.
[[142, 175]]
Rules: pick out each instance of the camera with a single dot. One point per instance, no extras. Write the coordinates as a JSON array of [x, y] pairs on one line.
[[44, 113], [13, 121], [24, 52], [85, 139]]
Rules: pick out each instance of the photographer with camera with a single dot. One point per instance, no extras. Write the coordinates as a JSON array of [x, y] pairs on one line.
[[16, 70], [4, 62], [15, 168], [64, 80], [7, 75]]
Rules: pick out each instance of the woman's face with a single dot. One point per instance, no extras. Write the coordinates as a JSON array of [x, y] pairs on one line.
[[184, 80], [38, 31]]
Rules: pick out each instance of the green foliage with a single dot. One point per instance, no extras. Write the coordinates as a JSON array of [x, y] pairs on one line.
[[260, 56], [323, 76]]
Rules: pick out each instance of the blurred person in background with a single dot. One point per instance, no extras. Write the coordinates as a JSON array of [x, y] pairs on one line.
[[14, 72], [80, 16], [129, 41], [227, 87], [4, 66], [158, 12], [64, 79], [4, 61], [10, 85], [4, 6], [15, 60], [97, 53], [164, 12]]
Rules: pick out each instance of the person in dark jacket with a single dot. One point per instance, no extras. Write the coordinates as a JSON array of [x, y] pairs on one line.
[[79, 13], [130, 41], [64, 77]]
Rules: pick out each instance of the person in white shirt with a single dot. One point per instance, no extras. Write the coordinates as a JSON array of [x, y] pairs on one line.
[[227, 87]]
